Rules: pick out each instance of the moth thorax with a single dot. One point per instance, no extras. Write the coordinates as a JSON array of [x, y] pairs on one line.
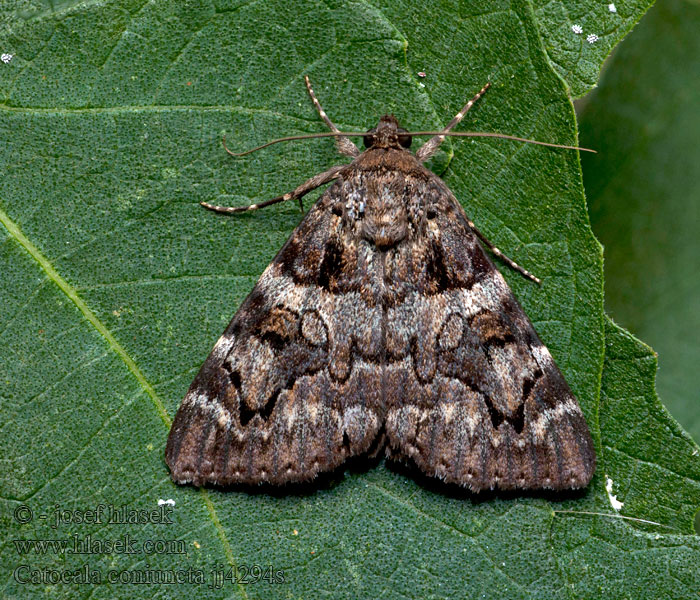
[[384, 225]]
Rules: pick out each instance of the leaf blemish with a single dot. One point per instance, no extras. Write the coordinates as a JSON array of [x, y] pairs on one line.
[[614, 502]]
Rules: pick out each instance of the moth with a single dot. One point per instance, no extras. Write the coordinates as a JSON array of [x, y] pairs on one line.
[[382, 324]]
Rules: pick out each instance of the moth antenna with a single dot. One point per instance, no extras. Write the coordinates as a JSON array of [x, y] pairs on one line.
[[308, 136], [503, 136]]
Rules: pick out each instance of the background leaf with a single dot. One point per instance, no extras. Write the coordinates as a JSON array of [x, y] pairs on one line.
[[642, 189], [118, 284]]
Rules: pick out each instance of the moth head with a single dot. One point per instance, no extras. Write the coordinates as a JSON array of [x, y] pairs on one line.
[[387, 134]]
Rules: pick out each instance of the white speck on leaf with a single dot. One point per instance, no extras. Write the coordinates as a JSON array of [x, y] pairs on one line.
[[592, 38], [614, 502], [169, 502], [577, 29], [6, 58], [611, 8]]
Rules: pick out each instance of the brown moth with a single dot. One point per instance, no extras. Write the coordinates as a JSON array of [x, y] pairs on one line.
[[382, 324]]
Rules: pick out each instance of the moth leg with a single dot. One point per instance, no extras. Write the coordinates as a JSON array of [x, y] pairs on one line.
[[297, 194], [511, 263], [343, 144], [430, 147]]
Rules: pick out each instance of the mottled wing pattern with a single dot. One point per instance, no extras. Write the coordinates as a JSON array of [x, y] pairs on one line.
[[473, 396], [381, 319], [291, 388]]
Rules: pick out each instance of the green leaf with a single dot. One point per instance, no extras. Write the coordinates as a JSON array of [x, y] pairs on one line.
[[643, 187], [576, 56], [653, 470], [118, 284], [643, 448]]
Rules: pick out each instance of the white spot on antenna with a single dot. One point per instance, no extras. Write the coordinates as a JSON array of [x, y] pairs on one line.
[[614, 502], [6, 58], [611, 8], [592, 38], [577, 29], [169, 502]]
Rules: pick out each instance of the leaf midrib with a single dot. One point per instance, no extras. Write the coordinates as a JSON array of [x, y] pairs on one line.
[[65, 287]]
